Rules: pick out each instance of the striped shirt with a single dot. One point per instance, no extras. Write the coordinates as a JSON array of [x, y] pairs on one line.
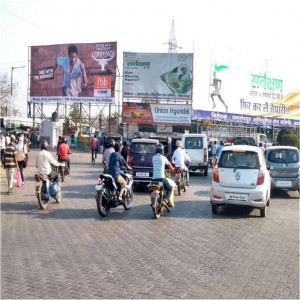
[[9, 156]]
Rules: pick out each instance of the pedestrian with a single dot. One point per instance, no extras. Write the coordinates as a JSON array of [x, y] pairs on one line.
[[2, 146], [94, 147], [10, 164], [125, 150], [20, 156], [38, 140], [214, 152], [7, 140]]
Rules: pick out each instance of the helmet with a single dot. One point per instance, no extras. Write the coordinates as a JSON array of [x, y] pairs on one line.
[[63, 140], [111, 143], [160, 149], [44, 145]]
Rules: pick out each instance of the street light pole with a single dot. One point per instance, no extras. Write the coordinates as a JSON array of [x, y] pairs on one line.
[[11, 89]]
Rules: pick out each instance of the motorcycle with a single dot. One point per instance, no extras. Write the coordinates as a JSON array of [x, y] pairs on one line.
[[157, 194], [107, 193], [46, 189], [63, 169], [180, 179]]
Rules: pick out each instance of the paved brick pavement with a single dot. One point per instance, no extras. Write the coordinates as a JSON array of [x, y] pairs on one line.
[[69, 251]]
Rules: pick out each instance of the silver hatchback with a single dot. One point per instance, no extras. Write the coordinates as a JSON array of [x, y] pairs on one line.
[[283, 164]]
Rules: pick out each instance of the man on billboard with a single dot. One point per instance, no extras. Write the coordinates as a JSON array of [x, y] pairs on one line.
[[74, 73]]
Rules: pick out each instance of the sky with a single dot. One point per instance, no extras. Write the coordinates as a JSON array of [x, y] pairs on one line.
[[263, 30]]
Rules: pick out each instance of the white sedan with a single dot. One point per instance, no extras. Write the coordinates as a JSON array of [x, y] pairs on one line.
[[240, 177]]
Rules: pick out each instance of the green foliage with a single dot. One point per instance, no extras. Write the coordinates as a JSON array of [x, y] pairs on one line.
[[282, 132], [290, 140]]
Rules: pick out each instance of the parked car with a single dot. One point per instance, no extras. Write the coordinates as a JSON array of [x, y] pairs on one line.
[[241, 177], [283, 164], [195, 146], [140, 159]]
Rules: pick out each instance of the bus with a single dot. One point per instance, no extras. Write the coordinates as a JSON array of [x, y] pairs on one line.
[[18, 124]]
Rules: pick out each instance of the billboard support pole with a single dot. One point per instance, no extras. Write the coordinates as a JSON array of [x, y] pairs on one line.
[[109, 115]]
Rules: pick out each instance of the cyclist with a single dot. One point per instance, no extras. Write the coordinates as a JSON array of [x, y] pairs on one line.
[[106, 155], [159, 161], [179, 158], [64, 151], [94, 147]]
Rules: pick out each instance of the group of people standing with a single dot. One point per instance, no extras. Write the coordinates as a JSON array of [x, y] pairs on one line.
[[14, 157]]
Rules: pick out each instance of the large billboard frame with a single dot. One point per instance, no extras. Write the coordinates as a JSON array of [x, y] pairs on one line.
[[47, 73]]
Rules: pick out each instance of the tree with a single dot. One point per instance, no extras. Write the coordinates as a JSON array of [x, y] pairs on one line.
[[280, 134], [5, 96], [290, 140]]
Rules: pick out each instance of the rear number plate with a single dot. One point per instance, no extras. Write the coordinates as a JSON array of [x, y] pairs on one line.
[[284, 183], [237, 197], [141, 174], [98, 187]]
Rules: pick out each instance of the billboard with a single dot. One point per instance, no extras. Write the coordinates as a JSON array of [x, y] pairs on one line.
[[251, 86], [146, 113], [73, 73], [158, 75]]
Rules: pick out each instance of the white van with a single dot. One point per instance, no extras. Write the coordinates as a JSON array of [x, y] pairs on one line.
[[195, 146]]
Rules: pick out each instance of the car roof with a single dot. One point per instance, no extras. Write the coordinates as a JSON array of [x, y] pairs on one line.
[[242, 147], [281, 147], [144, 141]]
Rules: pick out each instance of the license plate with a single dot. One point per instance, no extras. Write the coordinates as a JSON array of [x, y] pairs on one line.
[[283, 183], [98, 187], [237, 197], [141, 174], [63, 164]]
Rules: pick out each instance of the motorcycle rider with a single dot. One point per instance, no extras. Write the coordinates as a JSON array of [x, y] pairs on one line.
[[159, 161], [63, 152], [45, 160], [179, 158], [116, 160], [106, 155]]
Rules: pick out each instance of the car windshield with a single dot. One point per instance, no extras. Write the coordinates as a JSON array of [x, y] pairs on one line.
[[283, 155], [239, 160], [193, 143], [143, 148]]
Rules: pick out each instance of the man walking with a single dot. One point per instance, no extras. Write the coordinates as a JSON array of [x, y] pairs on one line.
[[10, 163]]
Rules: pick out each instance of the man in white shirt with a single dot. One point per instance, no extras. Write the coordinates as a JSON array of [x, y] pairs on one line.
[[159, 161], [106, 155], [179, 158], [45, 160], [2, 145]]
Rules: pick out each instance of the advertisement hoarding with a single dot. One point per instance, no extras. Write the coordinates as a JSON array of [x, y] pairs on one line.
[[245, 119], [83, 73], [146, 113], [158, 75], [244, 84]]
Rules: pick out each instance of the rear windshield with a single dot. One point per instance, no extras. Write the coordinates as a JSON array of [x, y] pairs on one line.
[[193, 143], [142, 148], [283, 155], [236, 159]]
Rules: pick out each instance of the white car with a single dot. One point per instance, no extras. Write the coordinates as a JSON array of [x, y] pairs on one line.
[[240, 177]]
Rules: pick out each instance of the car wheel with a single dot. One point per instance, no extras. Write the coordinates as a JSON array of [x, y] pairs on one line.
[[268, 200], [263, 212], [214, 209]]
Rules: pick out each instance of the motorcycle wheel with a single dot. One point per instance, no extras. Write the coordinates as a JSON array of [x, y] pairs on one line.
[[58, 196], [62, 173], [155, 206], [103, 206], [43, 203], [184, 183], [128, 199]]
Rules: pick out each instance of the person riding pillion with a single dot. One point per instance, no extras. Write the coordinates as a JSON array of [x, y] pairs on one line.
[[179, 158], [116, 160], [159, 162], [45, 161], [106, 155]]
